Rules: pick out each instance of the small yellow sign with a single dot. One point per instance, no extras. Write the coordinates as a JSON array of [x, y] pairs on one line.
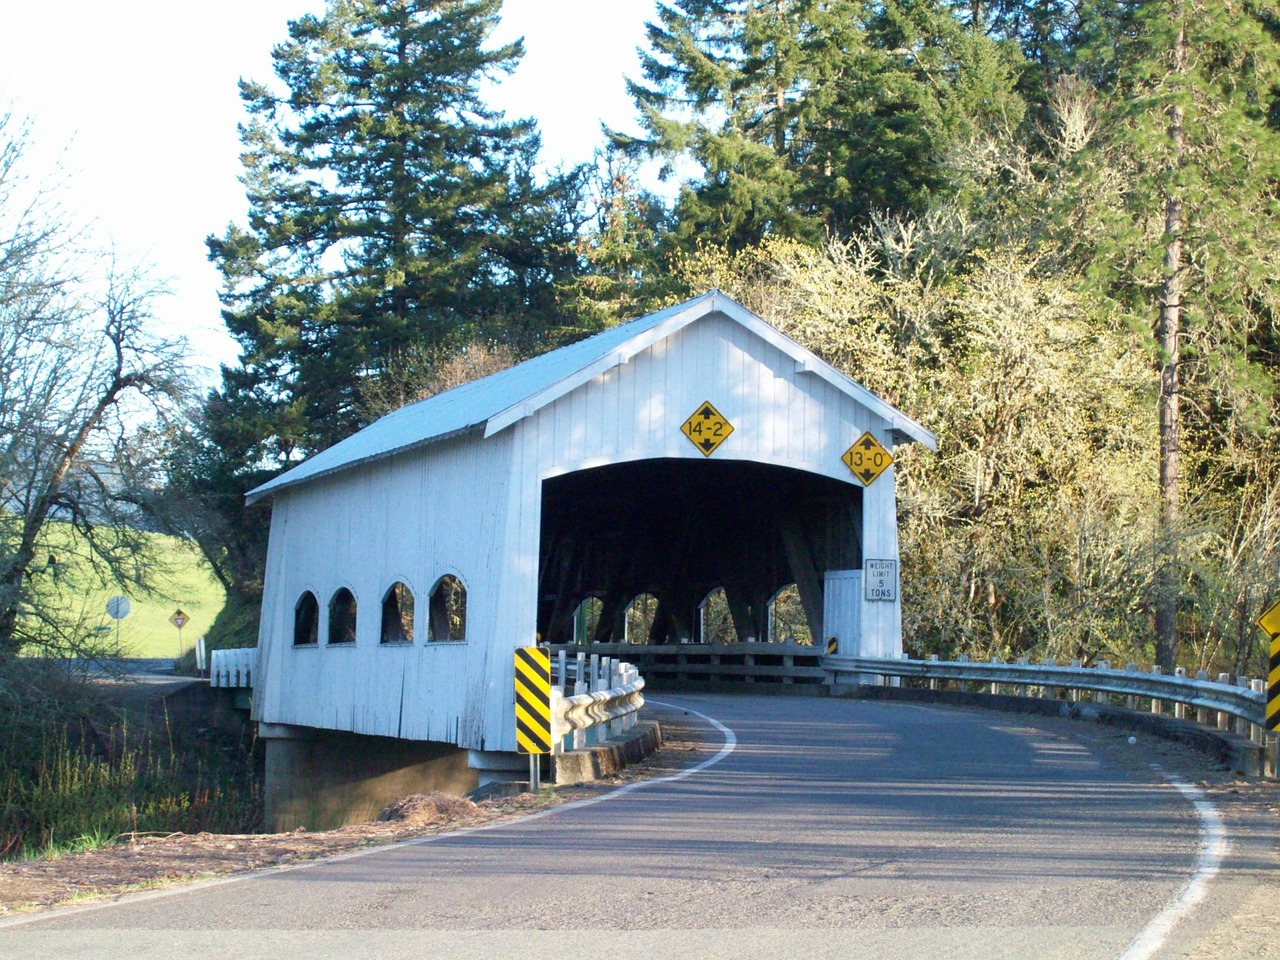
[[867, 458], [179, 618], [707, 429], [1270, 621]]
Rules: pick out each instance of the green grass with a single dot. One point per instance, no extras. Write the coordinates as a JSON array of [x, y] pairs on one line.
[[74, 798], [82, 764], [180, 580]]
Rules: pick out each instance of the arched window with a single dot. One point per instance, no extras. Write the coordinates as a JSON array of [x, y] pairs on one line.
[[397, 614], [640, 615], [786, 617], [714, 620], [342, 617], [586, 620], [306, 620], [447, 610]]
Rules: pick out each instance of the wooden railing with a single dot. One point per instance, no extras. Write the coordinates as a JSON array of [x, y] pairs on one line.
[[714, 664], [232, 668]]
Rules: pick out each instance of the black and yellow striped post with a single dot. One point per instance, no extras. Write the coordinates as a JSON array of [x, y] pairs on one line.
[[1270, 624], [1273, 685], [533, 706], [832, 646]]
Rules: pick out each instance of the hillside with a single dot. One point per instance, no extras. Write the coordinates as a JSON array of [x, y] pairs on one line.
[[180, 580]]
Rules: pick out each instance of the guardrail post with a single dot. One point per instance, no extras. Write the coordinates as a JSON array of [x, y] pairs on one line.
[[1224, 718], [1022, 687], [1131, 701], [1241, 724], [1076, 695], [1046, 692], [1157, 706], [1202, 713], [1258, 732], [995, 686], [933, 681], [1180, 708], [615, 680]]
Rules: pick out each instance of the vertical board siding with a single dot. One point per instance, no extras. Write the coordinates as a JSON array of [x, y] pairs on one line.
[[414, 518], [841, 609], [472, 507]]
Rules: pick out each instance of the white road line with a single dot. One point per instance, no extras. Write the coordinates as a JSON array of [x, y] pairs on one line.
[[1213, 848], [730, 743]]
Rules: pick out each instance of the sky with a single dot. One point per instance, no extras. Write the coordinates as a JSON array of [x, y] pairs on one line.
[[135, 101]]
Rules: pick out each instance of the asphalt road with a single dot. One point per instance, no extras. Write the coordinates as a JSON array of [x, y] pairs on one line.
[[832, 829]]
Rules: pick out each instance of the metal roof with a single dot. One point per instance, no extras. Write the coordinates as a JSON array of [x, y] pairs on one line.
[[501, 399]]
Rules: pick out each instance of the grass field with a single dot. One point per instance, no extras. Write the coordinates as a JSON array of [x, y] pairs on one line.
[[180, 581]]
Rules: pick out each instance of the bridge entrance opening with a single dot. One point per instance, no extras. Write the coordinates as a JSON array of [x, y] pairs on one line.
[[668, 551]]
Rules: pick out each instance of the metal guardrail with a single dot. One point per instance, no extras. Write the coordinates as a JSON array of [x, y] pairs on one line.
[[593, 697], [1219, 703], [232, 668]]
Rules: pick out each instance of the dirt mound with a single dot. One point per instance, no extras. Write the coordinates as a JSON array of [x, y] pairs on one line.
[[427, 808]]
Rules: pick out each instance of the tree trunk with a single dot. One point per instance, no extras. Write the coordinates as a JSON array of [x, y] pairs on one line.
[[1167, 330]]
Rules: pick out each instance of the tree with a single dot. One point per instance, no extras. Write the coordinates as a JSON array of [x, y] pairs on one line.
[[389, 208], [1184, 239], [1023, 534], [85, 383], [806, 116]]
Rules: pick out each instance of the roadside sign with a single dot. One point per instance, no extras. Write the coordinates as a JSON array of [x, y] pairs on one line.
[[833, 646], [1273, 686], [533, 700], [118, 607], [1270, 624], [867, 458], [1270, 621], [179, 619], [880, 580], [707, 428]]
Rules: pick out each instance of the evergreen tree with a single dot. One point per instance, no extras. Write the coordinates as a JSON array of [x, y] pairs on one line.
[[389, 207], [1181, 225], [808, 116], [392, 214]]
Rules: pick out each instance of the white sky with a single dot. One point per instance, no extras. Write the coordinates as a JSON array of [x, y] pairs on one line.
[[137, 99]]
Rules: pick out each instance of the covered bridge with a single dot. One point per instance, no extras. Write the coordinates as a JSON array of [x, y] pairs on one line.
[[691, 449]]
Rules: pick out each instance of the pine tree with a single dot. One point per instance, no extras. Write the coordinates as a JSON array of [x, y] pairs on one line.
[[389, 207], [1183, 235], [809, 116]]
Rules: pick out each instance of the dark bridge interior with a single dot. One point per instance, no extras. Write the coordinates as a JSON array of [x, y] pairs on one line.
[[677, 529]]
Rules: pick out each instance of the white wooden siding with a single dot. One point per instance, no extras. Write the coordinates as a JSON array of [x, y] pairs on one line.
[[471, 506]]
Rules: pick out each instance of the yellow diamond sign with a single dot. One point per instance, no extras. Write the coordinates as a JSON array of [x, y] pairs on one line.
[[1270, 621], [707, 429], [867, 459]]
